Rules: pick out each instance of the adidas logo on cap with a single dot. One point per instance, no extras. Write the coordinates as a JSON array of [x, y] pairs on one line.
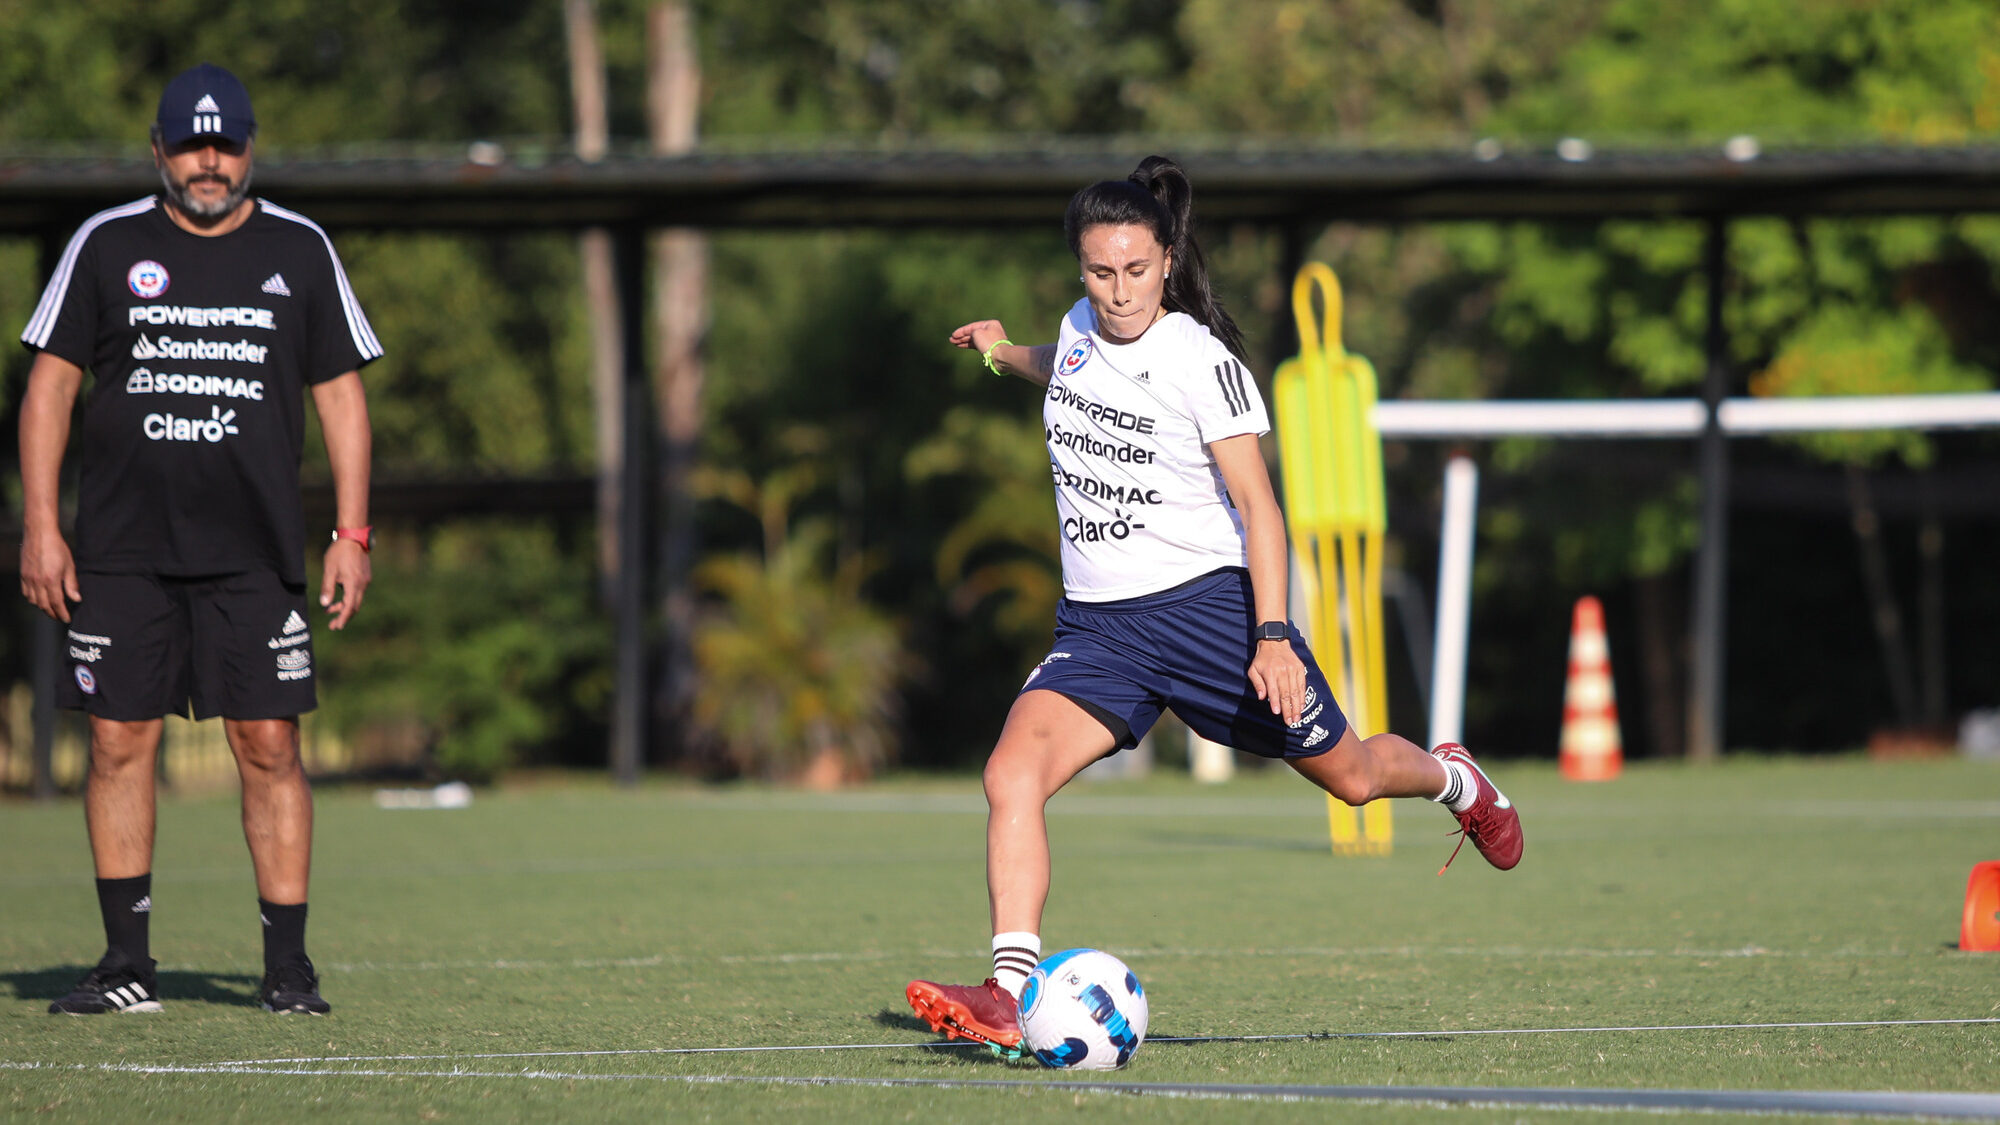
[[207, 105], [276, 284]]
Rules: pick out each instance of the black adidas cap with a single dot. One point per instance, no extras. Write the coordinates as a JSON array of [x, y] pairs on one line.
[[205, 101]]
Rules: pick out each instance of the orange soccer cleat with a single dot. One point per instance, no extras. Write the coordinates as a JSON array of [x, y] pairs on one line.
[[985, 1013]]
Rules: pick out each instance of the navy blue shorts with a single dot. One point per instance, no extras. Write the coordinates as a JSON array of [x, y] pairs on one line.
[[1188, 649]]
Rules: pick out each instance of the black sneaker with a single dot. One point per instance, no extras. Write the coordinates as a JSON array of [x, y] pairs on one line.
[[115, 985], [293, 987]]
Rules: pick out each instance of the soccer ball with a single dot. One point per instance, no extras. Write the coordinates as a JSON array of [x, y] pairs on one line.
[[1083, 1010]]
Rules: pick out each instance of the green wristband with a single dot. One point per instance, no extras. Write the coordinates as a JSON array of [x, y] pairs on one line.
[[988, 357]]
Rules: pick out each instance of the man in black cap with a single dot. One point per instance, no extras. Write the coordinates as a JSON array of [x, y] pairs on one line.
[[204, 316]]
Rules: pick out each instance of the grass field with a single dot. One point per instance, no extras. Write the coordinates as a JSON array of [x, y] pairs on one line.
[[561, 916]]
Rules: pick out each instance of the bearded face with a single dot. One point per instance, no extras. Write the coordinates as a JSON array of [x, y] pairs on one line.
[[206, 179]]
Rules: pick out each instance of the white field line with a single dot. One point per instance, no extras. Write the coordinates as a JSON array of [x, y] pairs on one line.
[[664, 960], [1311, 1036], [1237, 1093], [1401, 951], [1844, 1103]]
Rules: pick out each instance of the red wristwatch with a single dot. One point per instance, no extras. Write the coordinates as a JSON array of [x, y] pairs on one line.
[[362, 535]]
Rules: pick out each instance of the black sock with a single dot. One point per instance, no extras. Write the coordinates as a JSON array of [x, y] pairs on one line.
[[127, 906], [284, 933]]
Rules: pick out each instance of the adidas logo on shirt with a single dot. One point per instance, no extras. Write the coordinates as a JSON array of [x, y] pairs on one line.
[[294, 624], [207, 105], [276, 284]]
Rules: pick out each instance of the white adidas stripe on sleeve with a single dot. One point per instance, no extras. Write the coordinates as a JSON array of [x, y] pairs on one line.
[[49, 309]]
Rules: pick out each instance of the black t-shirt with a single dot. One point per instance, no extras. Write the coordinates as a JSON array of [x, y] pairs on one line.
[[201, 348]]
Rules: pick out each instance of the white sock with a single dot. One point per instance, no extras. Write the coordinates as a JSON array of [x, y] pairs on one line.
[[1461, 789], [1014, 958]]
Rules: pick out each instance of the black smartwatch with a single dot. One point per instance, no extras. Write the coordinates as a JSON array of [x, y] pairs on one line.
[[1274, 631]]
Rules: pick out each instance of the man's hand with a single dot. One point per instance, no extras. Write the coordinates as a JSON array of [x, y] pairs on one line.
[[346, 572], [48, 574]]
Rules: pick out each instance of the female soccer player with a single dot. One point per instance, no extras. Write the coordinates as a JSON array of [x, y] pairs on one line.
[[1174, 562]]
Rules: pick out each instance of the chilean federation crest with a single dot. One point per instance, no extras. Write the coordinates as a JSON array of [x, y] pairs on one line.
[[1077, 356], [147, 279]]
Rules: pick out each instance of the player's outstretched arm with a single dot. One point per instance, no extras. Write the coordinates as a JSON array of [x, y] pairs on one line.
[[343, 418], [48, 573], [1035, 363]]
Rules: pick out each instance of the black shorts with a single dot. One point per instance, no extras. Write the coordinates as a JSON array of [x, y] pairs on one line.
[[141, 646]]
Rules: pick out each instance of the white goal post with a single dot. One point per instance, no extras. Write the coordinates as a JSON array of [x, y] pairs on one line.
[[1617, 419]]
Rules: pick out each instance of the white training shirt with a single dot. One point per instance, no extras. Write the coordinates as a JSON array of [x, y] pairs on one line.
[[1142, 503]]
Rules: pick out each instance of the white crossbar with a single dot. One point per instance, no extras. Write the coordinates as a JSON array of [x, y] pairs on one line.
[[1862, 412], [1683, 418], [1522, 418]]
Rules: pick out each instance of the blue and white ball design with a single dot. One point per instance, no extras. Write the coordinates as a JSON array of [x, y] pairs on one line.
[[1083, 1010]]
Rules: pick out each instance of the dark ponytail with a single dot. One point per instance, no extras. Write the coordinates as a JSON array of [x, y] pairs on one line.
[[1157, 195]]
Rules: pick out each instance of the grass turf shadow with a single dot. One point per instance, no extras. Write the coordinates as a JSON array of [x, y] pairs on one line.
[[176, 985], [965, 1049], [900, 1021]]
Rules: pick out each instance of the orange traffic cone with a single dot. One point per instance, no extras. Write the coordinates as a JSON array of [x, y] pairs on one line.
[[1591, 750], [1980, 929]]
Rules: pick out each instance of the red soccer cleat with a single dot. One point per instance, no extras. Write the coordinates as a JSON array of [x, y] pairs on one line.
[[985, 1013], [1491, 823]]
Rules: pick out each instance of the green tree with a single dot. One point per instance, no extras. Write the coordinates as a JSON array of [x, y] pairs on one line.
[[1005, 549], [478, 644], [799, 673], [927, 68], [1375, 72]]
